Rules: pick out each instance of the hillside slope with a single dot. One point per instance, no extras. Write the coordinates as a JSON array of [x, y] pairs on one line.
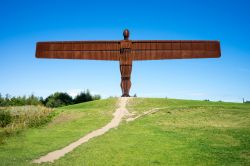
[[71, 123], [181, 132]]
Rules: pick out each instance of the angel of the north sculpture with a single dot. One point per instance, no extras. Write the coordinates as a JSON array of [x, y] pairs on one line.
[[126, 51]]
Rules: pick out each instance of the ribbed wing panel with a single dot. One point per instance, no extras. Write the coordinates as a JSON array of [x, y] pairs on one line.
[[176, 49], [92, 50]]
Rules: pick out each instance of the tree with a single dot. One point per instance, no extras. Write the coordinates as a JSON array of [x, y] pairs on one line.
[[96, 97], [1, 100], [33, 100], [58, 99], [55, 100], [85, 96]]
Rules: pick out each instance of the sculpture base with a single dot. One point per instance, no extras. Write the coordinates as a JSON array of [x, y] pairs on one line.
[[125, 95]]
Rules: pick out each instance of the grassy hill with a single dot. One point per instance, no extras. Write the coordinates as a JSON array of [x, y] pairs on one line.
[[182, 132]]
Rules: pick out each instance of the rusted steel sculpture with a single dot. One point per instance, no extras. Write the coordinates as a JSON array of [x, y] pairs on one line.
[[127, 51]]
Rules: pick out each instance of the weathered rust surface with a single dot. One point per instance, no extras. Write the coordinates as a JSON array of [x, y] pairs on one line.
[[125, 66], [92, 50], [167, 49], [126, 51]]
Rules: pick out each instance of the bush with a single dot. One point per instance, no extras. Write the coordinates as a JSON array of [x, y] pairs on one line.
[[5, 118], [85, 96], [58, 99], [27, 116]]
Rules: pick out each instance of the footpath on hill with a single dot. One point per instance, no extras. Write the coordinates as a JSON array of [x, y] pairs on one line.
[[120, 112]]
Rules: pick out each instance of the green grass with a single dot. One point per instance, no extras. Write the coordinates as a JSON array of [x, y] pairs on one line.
[[71, 123], [183, 132]]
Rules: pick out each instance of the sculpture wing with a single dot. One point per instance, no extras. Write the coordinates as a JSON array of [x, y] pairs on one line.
[[92, 50], [175, 49]]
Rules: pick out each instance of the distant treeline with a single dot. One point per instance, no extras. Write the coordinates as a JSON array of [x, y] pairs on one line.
[[57, 99]]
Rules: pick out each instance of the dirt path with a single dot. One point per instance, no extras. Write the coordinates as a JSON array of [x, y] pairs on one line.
[[120, 112], [143, 114]]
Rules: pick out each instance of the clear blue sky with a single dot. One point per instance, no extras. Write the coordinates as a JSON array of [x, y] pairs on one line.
[[23, 23]]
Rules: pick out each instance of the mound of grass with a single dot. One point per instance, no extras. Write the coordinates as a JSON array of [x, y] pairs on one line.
[[183, 132]]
